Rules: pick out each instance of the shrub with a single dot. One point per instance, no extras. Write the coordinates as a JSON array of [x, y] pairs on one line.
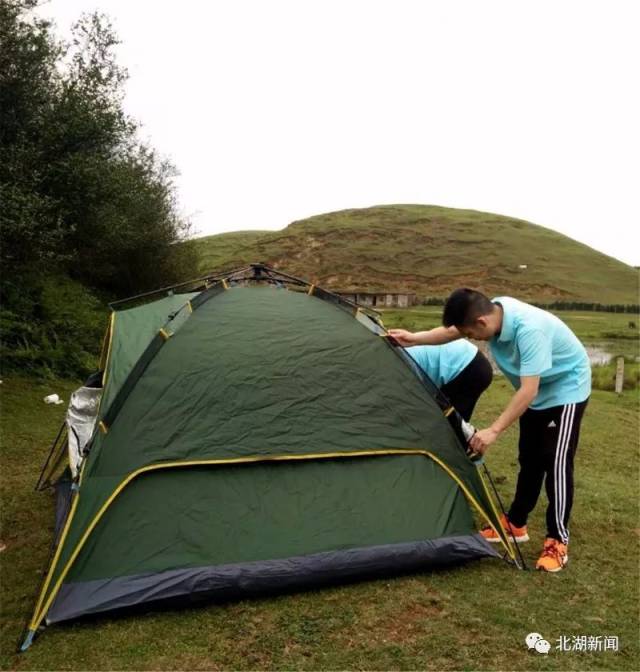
[[56, 332], [604, 376]]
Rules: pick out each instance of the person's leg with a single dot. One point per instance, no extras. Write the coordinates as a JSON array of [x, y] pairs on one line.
[[532, 466], [559, 481], [465, 389], [530, 478]]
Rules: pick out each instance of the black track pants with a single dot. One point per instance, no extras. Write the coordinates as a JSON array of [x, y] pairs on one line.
[[465, 389], [548, 443]]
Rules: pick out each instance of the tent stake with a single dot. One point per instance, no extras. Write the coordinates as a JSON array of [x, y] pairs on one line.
[[42, 482], [28, 640]]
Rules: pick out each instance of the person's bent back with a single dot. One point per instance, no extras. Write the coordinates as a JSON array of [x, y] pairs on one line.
[[458, 368]]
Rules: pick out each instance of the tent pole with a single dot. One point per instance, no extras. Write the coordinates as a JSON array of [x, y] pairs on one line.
[[293, 278], [40, 485], [202, 279], [523, 565], [260, 272], [29, 633], [28, 641]]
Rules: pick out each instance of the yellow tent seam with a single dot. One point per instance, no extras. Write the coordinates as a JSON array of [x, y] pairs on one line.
[[112, 322], [468, 494], [35, 620], [105, 346], [56, 557], [233, 460]]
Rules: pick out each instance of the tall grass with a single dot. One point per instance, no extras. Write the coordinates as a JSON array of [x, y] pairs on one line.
[[54, 328], [604, 376]]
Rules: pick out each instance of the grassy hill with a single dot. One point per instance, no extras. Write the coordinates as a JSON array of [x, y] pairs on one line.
[[429, 250]]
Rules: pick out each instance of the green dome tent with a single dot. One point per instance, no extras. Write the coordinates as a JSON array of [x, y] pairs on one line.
[[257, 433]]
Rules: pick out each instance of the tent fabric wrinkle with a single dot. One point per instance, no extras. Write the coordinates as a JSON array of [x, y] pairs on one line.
[[276, 440]]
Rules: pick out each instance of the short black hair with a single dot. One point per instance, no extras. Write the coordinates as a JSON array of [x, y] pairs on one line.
[[464, 306]]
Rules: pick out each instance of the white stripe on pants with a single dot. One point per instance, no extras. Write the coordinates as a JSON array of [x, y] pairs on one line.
[[560, 466]]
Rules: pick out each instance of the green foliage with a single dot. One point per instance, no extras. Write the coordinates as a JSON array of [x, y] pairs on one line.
[[604, 377], [78, 188], [563, 305], [81, 196], [54, 328], [590, 306], [433, 301]]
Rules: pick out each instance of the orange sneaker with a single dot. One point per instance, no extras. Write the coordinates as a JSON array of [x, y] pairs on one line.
[[519, 533], [554, 556]]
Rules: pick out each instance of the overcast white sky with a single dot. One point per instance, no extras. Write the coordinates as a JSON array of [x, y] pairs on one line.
[[275, 110]]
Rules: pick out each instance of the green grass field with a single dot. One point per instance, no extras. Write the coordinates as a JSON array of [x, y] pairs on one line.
[[429, 250], [589, 326], [608, 331], [465, 618]]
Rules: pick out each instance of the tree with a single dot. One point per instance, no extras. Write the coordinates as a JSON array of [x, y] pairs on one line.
[[79, 190], [82, 198]]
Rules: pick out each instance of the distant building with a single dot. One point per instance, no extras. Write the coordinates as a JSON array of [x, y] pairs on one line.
[[522, 267], [381, 299]]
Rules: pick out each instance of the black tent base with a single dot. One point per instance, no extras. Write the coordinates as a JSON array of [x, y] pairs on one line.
[[235, 581]]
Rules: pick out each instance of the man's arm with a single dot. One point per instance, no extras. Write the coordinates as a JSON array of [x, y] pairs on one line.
[[519, 403], [436, 336]]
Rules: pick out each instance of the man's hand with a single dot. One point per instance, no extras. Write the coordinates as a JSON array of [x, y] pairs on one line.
[[436, 336], [519, 403], [403, 337], [482, 439]]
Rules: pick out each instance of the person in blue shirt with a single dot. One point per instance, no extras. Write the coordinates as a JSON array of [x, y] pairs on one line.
[[458, 368], [549, 368]]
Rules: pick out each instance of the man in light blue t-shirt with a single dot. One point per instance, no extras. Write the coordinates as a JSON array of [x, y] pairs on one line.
[[550, 370], [458, 368]]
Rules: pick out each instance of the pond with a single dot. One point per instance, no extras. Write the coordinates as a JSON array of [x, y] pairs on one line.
[[600, 353], [604, 352]]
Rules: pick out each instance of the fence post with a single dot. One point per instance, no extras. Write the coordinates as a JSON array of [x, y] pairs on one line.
[[619, 375]]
